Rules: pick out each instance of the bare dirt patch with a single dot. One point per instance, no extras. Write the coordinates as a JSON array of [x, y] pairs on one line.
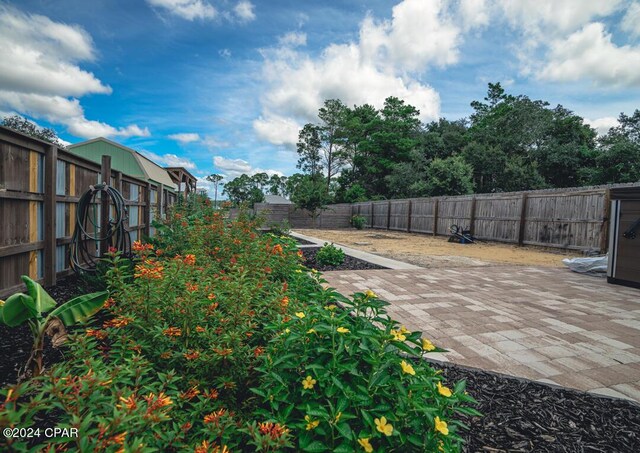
[[429, 251]]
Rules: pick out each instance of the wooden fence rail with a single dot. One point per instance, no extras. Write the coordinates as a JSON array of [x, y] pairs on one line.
[[40, 186]]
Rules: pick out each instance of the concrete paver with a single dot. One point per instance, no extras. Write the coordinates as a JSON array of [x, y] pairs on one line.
[[545, 324]]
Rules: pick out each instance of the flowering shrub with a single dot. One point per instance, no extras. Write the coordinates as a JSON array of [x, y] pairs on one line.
[[360, 383], [219, 340]]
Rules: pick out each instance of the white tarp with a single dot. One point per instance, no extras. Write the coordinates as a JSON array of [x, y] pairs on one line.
[[596, 265]]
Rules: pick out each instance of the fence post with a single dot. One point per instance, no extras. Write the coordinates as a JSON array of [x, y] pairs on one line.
[[105, 171], [409, 216], [388, 214], [472, 215], [118, 181], [523, 215], [159, 200], [371, 222], [147, 210], [436, 206], [49, 252], [606, 221]]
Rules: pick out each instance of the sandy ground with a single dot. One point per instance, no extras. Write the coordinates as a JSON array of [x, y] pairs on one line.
[[429, 251]]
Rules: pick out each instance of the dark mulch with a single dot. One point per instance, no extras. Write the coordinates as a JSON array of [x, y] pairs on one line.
[[302, 241], [525, 416], [350, 263]]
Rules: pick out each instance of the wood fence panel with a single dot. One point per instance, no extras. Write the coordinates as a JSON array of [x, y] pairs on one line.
[[453, 211], [422, 215], [335, 216], [497, 218], [399, 216], [380, 214]]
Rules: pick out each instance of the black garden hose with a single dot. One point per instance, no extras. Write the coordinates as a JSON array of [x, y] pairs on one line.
[[88, 239]]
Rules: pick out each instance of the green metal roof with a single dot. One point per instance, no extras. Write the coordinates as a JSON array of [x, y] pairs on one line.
[[123, 159]]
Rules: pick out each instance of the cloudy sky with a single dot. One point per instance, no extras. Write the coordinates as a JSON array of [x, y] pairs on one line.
[[222, 86]]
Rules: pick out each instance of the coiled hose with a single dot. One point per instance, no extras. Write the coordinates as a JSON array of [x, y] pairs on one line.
[[85, 246]]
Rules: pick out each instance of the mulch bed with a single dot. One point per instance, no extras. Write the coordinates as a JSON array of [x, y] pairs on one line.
[[301, 241], [350, 263], [519, 415], [526, 416]]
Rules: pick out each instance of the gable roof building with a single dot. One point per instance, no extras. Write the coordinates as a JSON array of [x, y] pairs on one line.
[[126, 160]]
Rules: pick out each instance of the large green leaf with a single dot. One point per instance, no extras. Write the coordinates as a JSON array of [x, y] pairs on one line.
[[43, 301], [17, 309], [80, 308]]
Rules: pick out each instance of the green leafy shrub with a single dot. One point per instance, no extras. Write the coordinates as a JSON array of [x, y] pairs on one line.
[[330, 255], [352, 383], [358, 222]]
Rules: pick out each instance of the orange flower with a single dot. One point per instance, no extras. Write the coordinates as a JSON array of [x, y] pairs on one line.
[[213, 394], [277, 249], [191, 287], [128, 402], [165, 355], [120, 321], [274, 430], [98, 334], [190, 260], [191, 355], [109, 303], [214, 417], [212, 307], [200, 329], [223, 351], [257, 352], [172, 332], [211, 296], [190, 394], [284, 302], [156, 402], [149, 270]]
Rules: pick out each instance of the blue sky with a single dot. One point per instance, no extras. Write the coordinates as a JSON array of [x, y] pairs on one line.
[[222, 86]]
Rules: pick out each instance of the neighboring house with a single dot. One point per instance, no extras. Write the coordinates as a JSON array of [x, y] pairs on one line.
[[185, 181]]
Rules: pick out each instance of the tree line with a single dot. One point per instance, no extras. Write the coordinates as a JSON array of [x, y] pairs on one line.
[[509, 143]]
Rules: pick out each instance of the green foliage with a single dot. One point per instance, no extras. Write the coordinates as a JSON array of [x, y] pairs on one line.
[[334, 379], [25, 126], [330, 255], [450, 176], [358, 222], [31, 308], [311, 194], [245, 190]]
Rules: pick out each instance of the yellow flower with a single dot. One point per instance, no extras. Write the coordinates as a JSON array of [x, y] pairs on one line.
[[310, 331], [407, 368], [287, 330], [300, 314], [441, 426], [398, 336], [366, 446], [370, 294], [1, 302], [427, 345], [342, 330], [382, 426], [330, 307], [444, 391], [337, 419], [299, 271], [314, 271], [404, 330], [311, 424], [308, 383]]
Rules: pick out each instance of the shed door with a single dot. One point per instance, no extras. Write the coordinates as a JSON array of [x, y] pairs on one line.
[[626, 252]]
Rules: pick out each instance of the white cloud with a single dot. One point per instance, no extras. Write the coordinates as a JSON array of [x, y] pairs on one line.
[[185, 137], [186, 9], [474, 13], [244, 11], [40, 76], [213, 143], [541, 18], [602, 125], [293, 39], [224, 53], [380, 64], [631, 20], [169, 160], [590, 53], [232, 168]]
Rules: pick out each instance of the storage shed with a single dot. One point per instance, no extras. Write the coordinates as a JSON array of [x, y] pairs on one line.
[[624, 237]]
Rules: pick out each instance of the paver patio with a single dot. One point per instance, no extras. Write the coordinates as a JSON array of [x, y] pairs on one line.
[[545, 324]]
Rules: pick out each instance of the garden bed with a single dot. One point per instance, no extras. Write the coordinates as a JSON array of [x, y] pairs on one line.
[[350, 263], [526, 416]]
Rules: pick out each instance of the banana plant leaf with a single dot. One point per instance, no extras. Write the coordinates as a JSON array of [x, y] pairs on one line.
[[17, 309], [43, 301], [80, 308]]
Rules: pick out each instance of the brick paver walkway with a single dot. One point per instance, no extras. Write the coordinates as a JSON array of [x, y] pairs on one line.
[[544, 324]]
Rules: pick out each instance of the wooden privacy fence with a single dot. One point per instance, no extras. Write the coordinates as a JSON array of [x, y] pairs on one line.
[[40, 186], [569, 219]]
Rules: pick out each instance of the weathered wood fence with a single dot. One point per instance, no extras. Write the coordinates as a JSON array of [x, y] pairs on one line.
[[574, 218], [40, 186]]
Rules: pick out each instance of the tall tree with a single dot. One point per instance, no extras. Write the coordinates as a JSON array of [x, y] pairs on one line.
[[216, 180], [333, 116], [309, 149]]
